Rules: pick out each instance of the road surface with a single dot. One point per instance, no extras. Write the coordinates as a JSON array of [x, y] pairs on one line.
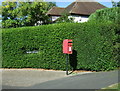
[[95, 80]]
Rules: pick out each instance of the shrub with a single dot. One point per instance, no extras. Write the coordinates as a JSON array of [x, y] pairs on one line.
[[65, 18], [92, 43], [45, 39], [107, 14]]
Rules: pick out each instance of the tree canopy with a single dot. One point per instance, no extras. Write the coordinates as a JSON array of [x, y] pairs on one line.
[[18, 14], [115, 4], [64, 18]]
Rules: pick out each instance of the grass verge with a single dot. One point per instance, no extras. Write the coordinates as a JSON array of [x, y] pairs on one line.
[[113, 87]]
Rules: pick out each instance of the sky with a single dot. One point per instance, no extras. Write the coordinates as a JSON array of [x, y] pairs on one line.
[[65, 3]]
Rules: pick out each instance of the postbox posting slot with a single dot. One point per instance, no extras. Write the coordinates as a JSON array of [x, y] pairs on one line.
[[69, 43]]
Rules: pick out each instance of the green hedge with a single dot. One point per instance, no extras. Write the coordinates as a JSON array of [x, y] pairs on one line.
[[107, 14], [93, 46], [96, 50]]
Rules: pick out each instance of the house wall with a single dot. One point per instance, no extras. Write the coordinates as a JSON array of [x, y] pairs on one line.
[[78, 18], [54, 18]]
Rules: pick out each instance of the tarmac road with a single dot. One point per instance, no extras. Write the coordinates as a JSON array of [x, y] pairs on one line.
[[85, 81], [96, 80], [20, 78]]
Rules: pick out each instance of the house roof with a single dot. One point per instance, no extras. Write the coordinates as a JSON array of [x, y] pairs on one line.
[[55, 11], [78, 7], [83, 8]]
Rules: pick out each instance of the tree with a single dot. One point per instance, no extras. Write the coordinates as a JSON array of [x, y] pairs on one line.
[[115, 4], [8, 14], [17, 14], [0, 9], [118, 4], [0, 13], [64, 18]]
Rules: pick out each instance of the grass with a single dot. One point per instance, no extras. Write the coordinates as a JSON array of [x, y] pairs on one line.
[[114, 87]]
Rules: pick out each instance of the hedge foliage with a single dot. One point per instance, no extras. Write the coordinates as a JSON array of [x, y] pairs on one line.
[[93, 45], [107, 14]]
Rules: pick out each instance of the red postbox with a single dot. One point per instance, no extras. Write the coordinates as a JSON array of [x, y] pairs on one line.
[[67, 46]]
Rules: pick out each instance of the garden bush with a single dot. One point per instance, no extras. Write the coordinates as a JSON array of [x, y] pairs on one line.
[[107, 14], [93, 45]]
